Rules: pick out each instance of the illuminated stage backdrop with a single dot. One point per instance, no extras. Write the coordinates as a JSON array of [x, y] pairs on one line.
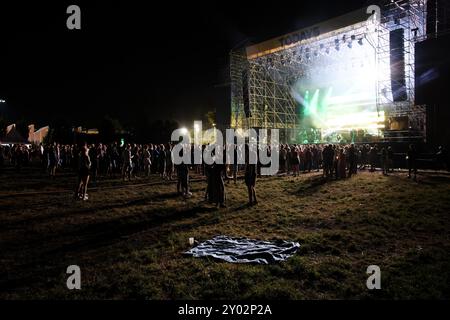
[[337, 95]]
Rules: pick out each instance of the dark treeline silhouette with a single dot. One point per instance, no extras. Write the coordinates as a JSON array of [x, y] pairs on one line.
[[110, 129]]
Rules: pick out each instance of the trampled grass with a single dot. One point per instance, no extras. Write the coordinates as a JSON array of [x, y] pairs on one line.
[[129, 239]]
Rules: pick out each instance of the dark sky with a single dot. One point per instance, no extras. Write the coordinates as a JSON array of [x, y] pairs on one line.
[[164, 60]]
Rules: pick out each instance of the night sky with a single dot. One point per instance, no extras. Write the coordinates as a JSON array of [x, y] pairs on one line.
[[130, 60]]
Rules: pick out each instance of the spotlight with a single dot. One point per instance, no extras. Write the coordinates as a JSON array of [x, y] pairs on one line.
[[360, 42], [353, 37]]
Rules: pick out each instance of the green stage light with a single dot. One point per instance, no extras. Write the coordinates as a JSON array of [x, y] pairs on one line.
[[314, 102], [306, 104]]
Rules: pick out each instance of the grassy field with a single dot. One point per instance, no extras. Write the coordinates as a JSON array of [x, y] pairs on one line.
[[129, 239]]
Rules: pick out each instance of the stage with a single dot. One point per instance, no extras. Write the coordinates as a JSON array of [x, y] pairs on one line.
[[347, 80]]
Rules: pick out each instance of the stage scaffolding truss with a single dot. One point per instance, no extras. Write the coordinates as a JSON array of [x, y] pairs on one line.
[[408, 17], [261, 86]]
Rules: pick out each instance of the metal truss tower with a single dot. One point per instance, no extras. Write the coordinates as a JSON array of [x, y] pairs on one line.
[[407, 19], [269, 102]]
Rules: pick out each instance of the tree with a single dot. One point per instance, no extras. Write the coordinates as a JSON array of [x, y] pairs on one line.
[[22, 128], [60, 132], [211, 118], [109, 129]]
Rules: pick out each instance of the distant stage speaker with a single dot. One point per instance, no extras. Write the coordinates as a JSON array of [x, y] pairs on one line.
[[398, 82], [432, 79], [245, 93]]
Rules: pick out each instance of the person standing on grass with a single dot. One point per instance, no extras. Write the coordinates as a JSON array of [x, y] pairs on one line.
[[219, 185], [364, 154], [44, 157], [315, 158], [384, 161], [328, 158], [295, 161], [84, 163], [352, 160], [341, 164], [373, 153], [169, 162], [235, 163], [208, 191], [250, 178], [52, 161], [135, 158], [335, 162], [215, 190], [183, 177], [283, 158], [307, 156], [390, 159], [147, 161], [92, 151], [127, 166], [162, 162], [412, 161]]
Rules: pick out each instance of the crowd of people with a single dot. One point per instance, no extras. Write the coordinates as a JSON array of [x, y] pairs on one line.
[[131, 161]]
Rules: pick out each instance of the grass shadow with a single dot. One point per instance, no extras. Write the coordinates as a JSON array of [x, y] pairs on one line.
[[313, 184]]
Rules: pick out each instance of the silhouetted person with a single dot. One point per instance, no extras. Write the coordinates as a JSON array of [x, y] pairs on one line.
[[412, 161], [127, 165], [373, 154], [352, 161], [384, 161], [183, 177], [390, 159], [83, 174], [341, 164], [250, 178], [52, 161]]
